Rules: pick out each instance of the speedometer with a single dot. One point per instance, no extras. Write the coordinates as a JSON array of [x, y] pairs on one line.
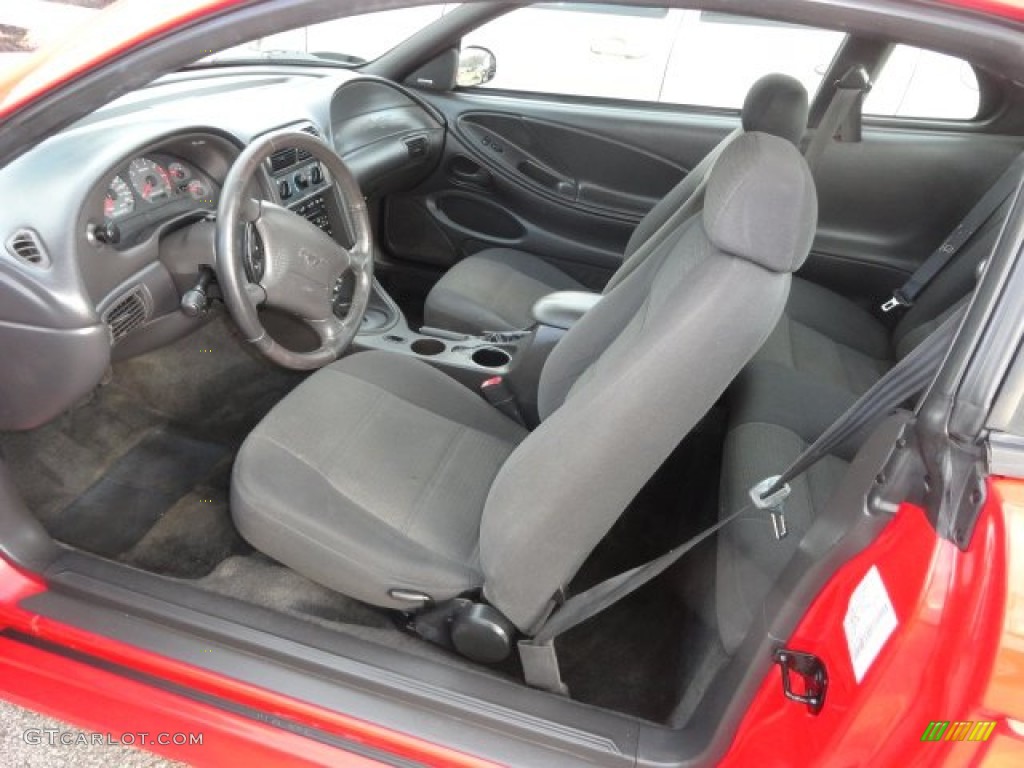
[[119, 201], [150, 180]]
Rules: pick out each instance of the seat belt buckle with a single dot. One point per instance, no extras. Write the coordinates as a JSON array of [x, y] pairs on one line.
[[898, 299], [497, 393], [773, 503]]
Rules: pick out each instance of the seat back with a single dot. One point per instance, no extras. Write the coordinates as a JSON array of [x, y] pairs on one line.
[[775, 104], [634, 376]]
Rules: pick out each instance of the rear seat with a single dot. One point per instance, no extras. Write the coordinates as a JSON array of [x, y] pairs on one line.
[[825, 352]]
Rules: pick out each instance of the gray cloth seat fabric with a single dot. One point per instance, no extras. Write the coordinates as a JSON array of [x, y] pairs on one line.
[[504, 285], [372, 474], [494, 290], [381, 473], [825, 352]]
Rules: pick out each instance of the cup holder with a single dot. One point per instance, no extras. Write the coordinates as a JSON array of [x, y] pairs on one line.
[[428, 347], [491, 357]]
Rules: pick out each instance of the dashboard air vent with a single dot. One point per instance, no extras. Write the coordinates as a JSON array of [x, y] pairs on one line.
[[284, 159], [127, 314], [25, 246], [310, 129]]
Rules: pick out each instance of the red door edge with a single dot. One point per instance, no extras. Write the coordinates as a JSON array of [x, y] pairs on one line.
[[959, 637], [128, 712], [52, 684]]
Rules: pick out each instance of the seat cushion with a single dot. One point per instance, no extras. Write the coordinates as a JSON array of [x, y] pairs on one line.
[[829, 339], [493, 290], [372, 475]]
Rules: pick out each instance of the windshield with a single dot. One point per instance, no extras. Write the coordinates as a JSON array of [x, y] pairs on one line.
[[30, 26], [351, 41]]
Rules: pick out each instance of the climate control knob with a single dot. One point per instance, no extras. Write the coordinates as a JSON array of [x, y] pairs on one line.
[[301, 180]]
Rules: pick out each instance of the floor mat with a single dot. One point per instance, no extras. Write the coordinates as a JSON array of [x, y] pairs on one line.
[[194, 535], [121, 507]]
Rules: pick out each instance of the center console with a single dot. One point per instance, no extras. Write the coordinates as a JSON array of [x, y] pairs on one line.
[[470, 359], [516, 357]]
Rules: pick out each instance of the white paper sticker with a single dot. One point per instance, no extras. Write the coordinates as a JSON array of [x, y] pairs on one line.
[[870, 620]]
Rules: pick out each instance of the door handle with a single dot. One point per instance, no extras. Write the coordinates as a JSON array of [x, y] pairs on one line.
[[563, 186], [462, 169]]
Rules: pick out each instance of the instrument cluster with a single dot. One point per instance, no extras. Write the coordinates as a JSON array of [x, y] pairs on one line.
[[155, 187]]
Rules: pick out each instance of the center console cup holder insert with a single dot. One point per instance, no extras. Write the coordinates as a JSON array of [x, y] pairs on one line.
[[428, 347], [491, 357]]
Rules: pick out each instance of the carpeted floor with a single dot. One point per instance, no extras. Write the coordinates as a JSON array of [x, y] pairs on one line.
[[140, 473]]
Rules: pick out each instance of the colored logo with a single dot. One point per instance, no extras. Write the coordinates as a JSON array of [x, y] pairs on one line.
[[944, 730]]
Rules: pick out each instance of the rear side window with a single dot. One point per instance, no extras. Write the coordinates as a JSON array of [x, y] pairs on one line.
[[924, 84], [648, 54]]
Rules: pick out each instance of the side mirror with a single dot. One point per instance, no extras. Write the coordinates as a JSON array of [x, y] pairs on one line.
[[476, 67]]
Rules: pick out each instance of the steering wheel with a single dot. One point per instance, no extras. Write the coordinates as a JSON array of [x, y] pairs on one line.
[[300, 265]]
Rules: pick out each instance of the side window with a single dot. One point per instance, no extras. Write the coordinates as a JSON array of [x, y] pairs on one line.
[[648, 54], [718, 57], [918, 83]]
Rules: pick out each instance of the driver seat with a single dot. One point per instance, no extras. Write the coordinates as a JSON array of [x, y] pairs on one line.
[[386, 480]]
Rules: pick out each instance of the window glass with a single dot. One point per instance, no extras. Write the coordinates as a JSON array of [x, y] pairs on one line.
[[28, 26], [919, 83], [349, 40], [648, 54]]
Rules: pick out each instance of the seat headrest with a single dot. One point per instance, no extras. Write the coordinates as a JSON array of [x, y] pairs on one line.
[[776, 104], [761, 204]]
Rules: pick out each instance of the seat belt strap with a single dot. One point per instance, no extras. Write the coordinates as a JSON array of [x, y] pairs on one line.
[[975, 219], [906, 378], [537, 654], [849, 91]]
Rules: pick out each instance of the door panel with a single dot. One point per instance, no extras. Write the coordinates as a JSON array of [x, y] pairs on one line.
[[887, 202], [568, 182], [573, 165]]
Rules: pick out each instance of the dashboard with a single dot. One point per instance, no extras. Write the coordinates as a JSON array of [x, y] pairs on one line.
[[115, 217]]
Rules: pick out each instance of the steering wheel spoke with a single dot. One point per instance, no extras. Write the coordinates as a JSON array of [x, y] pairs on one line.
[[256, 294], [250, 210], [301, 264], [331, 331]]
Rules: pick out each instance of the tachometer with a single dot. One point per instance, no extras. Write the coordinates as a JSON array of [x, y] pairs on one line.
[[150, 180], [119, 201], [179, 172]]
